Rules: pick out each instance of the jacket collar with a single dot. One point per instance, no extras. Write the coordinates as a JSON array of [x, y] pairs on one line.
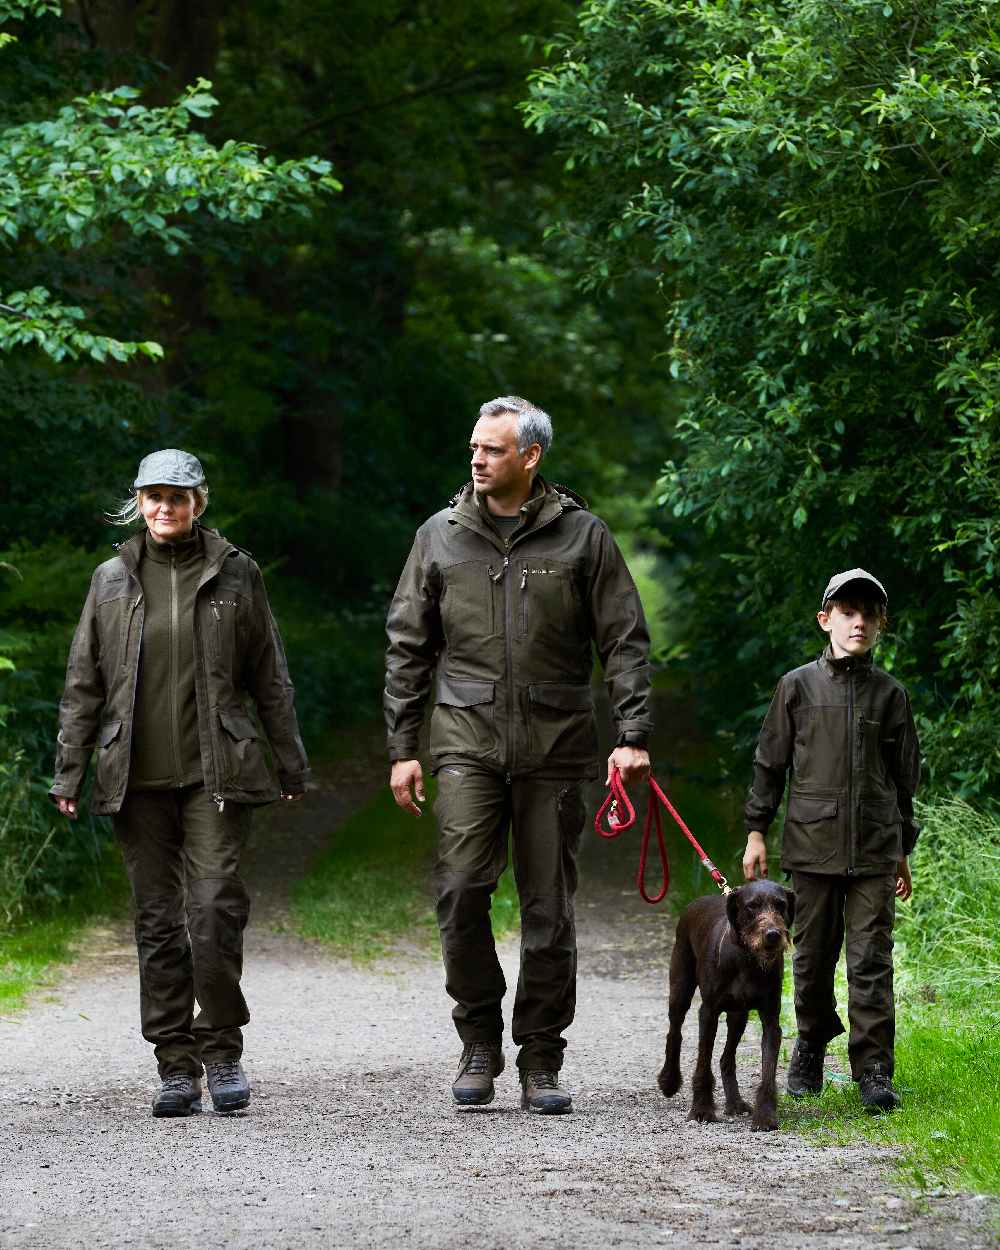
[[217, 549], [839, 668], [546, 502]]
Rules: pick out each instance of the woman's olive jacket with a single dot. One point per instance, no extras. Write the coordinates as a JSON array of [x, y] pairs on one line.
[[238, 652], [845, 731], [504, 630]]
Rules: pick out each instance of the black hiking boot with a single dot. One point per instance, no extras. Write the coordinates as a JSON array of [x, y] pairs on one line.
[[480, 1063], [228, 1085], [540, 1092], [179, 1095], [877, 1094], [805, 1069]]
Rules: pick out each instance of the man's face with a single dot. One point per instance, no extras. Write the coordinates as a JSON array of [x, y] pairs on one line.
[[498, 468], [853, 627]]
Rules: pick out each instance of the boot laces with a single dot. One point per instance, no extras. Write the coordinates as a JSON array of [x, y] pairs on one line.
[[877, 1079], [225, 1072], [478, 1062], [543, 1079], [178, 1083]]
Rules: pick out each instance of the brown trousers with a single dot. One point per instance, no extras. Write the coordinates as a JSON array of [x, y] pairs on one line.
[[475, 809], [828, 908], [182, 857]]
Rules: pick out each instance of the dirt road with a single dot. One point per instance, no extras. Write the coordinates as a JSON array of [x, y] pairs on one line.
[[352, 1140]]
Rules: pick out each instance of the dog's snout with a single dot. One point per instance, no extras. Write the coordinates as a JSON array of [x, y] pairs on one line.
[[772, 937]]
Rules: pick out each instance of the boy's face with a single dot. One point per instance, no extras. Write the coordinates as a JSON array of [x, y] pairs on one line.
[[853, 627]]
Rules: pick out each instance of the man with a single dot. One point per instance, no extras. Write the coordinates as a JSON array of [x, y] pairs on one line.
[[502, 600]]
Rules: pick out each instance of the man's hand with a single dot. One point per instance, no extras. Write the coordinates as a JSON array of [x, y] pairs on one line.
[[904, 882], [631, 762], [755, 856], [406, 774], [67, 807]]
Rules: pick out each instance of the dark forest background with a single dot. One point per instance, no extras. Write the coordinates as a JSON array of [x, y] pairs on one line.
[[746, 255]]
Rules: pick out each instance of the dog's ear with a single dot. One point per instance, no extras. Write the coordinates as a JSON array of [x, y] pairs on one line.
[[733, 905], [790, 900]]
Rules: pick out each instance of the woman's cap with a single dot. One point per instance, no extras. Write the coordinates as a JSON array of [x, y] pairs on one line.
[[840, 581], [169, 467]]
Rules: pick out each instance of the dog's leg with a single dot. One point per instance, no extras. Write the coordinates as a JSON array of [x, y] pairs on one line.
[[736, 1023], [703, 1082], [683, 983], [765, 1111]]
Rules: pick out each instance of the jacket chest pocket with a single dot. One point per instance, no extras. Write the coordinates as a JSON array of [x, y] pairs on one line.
[[547, 599], [223, 626], [468, 603]]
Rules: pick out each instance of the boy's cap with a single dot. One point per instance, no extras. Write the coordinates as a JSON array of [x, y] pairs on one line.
[[169, 467], [840, 581]]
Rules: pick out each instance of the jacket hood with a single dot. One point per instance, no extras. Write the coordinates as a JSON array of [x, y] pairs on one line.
[[567, 498]]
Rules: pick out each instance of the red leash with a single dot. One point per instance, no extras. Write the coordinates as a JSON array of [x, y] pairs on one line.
[[618, 799]]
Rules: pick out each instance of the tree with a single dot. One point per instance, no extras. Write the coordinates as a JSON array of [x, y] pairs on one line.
[[817, 184]]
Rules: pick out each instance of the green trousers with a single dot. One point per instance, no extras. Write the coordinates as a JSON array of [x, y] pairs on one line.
[[862, 909], [475, 808], [182, 856]]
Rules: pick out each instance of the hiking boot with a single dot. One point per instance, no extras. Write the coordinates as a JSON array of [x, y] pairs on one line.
[[877, 1093], [228, 1085], [480, 1063], [805, 1070], [179, 1095], [540, 1092]]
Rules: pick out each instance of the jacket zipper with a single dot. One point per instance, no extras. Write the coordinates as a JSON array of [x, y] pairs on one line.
[[851, 736], [175, 667]]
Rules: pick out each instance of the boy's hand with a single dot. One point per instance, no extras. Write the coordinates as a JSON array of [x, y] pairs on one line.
[[755, 856], [904, 882]]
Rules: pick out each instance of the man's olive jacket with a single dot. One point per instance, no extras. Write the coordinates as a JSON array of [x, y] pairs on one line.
[[844, 731], [501, 634], [238, 652]]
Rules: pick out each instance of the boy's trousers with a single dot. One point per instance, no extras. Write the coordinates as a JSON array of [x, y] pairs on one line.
[[474, 810], [182, 856], [826, 909]]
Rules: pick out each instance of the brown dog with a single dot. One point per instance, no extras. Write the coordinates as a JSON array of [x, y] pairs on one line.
[[733, 950]]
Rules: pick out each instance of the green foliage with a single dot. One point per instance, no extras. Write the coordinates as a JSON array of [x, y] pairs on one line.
[[816, 187]]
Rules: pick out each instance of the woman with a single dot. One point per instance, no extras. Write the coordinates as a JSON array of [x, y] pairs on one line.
[[176, 632]]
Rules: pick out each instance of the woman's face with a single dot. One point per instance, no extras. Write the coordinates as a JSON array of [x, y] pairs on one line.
[[168, 511]]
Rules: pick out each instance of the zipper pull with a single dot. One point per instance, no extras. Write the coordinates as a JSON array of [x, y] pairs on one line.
[[220, 802], [215, 609], [498, 575], [524, 578], [506, 779]]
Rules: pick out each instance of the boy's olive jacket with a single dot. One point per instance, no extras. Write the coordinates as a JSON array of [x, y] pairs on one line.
[[845, 731], [505, 631], [238, 652]]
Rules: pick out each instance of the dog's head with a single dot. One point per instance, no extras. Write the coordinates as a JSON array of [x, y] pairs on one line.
[[760, 915]]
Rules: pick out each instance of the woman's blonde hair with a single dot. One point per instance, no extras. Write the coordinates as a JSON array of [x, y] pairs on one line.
[[131, 511]]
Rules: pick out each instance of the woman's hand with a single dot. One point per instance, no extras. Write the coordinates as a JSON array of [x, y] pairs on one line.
[[291, 798], [67, 807]]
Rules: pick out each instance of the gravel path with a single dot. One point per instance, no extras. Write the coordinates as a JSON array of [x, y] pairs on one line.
[[352, 1141]]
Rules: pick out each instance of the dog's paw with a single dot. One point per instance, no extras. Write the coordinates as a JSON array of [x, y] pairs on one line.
[[763, 1123], [669, 1082], [703, 1115], [739, 1107]]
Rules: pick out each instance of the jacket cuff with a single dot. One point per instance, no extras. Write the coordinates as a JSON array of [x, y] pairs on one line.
[[911, 831], [633, 738], [293, 783], [402, 749]]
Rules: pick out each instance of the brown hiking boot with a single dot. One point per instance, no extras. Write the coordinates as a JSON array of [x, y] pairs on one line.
[[540, 1092], [877, 1093], [480, 1063], [805, 1069]]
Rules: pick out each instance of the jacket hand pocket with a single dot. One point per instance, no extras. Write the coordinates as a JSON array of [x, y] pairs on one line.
[[462, 722], [812, 835], [109, 742], [561, 722], [245, 766], [881, 831]]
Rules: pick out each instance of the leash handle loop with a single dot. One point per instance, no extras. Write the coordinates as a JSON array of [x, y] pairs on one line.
[[616, 799]]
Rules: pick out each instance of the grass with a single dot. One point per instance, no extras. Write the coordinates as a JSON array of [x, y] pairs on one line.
[[33, 949], [947, 1017], [370, 892]]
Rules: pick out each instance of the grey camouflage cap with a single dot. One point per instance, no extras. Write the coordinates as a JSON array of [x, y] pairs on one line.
[[169, 467], [840, 580]]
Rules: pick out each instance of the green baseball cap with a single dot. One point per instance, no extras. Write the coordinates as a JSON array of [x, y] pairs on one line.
[[169, 467]]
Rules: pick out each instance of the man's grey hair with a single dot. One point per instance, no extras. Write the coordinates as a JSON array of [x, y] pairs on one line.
[[533, 425]]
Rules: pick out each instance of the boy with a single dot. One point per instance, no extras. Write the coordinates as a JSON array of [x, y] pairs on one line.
[[845, 730]]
